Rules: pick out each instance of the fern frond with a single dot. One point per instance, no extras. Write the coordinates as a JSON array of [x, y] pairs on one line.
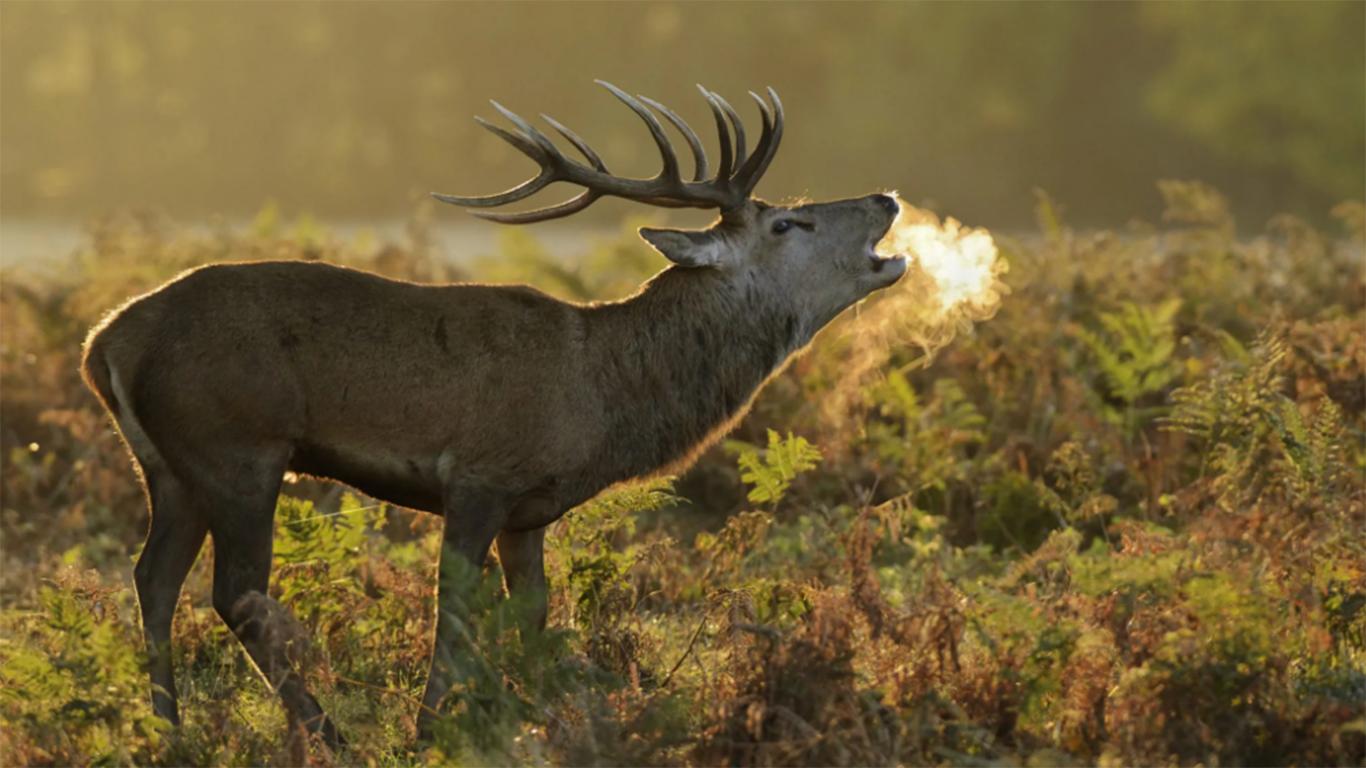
[[772, 470]]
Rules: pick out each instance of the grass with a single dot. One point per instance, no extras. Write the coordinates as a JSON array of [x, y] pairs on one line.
[[1120, 523]]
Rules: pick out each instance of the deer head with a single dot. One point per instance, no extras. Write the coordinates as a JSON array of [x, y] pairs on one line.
[[817, 256]]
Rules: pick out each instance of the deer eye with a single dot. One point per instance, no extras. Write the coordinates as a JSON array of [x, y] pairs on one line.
[[782, 225]]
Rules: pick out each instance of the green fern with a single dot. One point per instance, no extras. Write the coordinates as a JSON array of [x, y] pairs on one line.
[[312, 546], [590, 542], [68, 672], [1312, 449], [771, 471], [1135, 352], [1229, 407], [1254, 436], [956, 413]]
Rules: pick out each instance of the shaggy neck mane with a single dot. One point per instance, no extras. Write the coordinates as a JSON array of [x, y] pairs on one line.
[[684, 356]]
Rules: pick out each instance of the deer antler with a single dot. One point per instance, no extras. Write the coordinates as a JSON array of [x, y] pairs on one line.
[[734, 181]]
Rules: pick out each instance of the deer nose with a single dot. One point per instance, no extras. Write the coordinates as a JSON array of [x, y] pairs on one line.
[[888, 203]]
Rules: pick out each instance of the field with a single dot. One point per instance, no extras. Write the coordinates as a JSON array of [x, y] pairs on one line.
[[1119, 523]]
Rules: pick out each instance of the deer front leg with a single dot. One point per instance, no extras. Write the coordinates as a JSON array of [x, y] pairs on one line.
[[473, 518], [522, 555]]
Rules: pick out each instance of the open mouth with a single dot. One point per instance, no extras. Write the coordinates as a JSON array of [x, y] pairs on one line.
[[878, 261]]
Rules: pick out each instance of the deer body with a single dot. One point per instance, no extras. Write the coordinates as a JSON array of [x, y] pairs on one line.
[[543, 399], [498, 407]]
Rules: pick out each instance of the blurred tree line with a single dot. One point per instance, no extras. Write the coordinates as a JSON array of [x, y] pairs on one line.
[[358, 109]]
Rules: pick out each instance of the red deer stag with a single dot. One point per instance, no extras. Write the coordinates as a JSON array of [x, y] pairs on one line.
[[499, 407]]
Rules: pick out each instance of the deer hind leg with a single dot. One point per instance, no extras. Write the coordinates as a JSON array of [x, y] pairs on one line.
[[175, 534], [242, 524], [174, 537]]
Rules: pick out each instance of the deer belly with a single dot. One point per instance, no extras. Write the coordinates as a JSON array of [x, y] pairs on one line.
[[408, 481]]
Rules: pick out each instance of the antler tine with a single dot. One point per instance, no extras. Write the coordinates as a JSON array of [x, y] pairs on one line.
[[560, 210], [694, 143], [524, 145], [521, 191], [767, 116], [771, 150], [777, 137], [578, 143], [739, 131], [767, 147], [722, 134], [743, 173], [547, 146], [666, 150]]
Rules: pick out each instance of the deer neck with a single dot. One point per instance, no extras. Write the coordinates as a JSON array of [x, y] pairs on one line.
[[679, 363]]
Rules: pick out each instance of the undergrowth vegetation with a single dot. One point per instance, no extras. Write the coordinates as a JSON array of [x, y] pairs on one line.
[[1120, 523]]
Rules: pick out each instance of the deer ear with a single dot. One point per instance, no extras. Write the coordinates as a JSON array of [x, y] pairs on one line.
[[685, 247]]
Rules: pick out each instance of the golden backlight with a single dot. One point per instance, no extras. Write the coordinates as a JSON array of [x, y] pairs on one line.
[[953, 279], [960, 262]]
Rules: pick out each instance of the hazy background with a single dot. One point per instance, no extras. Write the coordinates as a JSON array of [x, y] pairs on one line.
[[352, 112]]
